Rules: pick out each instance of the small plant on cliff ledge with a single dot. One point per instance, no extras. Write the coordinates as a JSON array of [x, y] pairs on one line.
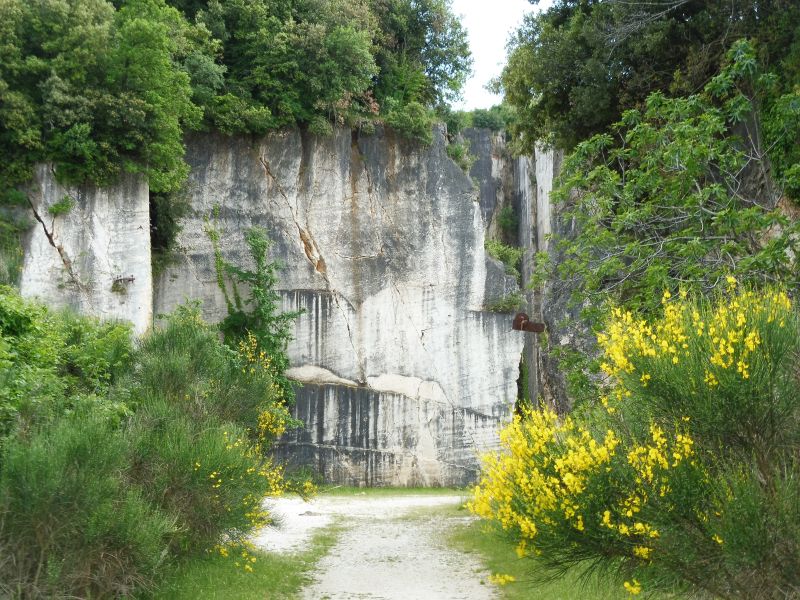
[[459, 152], [62, 207], [258, 317], [510, 256], [507, 304]]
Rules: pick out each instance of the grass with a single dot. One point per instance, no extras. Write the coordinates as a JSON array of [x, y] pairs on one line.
[[498, 555], [274, 575]]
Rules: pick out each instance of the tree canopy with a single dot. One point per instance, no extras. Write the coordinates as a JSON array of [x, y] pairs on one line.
[[674, 196], [94, 90], [99, 88], [574, 68]]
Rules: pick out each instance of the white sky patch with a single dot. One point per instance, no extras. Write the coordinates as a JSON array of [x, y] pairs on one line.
[[489, 24]]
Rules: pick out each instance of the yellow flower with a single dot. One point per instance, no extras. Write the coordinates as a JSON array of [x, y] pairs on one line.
[[501, 579], [633, 587]]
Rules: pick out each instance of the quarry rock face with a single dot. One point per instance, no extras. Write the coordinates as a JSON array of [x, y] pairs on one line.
[[94, 255], [405, 375]]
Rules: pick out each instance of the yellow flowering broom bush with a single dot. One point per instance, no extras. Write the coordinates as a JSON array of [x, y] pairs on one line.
[[687, 478], [206, 417]]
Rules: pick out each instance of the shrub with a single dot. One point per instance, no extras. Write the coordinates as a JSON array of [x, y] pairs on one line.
[[186, 364], [204, 415], [11, 258], [506, 304], [689, 477], [256, 319], [459, 152], [206, 475], [95, 354], [62, 207], [454, 120], [70, 526], [115, 460], [508, 221], [510, 256], [52, 362], [413, 121]]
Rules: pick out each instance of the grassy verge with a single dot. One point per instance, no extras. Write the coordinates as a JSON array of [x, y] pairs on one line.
[[274, 575], [499, 557]]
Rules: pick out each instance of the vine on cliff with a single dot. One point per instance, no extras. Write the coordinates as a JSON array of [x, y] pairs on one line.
[[256, 319]]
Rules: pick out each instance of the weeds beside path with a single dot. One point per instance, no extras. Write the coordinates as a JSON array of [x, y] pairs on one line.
[[377, 544], [275, 576]]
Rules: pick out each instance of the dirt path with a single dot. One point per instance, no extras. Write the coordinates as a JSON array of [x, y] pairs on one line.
[[392, 547]]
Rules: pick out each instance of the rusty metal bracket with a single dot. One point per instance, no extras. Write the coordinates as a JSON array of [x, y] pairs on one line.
[[523, 323]]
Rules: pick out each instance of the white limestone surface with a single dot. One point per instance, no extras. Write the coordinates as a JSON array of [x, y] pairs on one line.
[[96, 257], [545, 175], [382, 244]]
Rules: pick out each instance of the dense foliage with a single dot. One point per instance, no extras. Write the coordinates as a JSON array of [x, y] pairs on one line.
[[687, 481], [116, 461], [95, 90], [677, 470], [574, 68], [101, 88], [677, 193]]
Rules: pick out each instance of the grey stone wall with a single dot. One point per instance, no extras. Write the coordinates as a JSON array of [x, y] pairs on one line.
[[405, 375], [382, 246]]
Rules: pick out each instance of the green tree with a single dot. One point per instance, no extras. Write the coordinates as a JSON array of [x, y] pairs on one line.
[[289, 63], [94, 90], [675, 196], [423, 52], [576, 67], [102, 88]]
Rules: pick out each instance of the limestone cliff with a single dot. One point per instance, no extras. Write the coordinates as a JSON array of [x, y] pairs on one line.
[[95, 257], [405, 376]]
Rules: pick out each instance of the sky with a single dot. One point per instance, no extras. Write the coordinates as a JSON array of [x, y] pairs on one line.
[[489, 24]]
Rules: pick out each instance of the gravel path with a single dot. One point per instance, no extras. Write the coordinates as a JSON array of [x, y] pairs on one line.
[[391, 548]]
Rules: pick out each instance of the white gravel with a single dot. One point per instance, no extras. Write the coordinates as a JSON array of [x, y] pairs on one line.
[[381, 554]]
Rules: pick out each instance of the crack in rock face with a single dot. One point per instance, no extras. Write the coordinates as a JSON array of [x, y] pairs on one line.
[[312, 252]]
